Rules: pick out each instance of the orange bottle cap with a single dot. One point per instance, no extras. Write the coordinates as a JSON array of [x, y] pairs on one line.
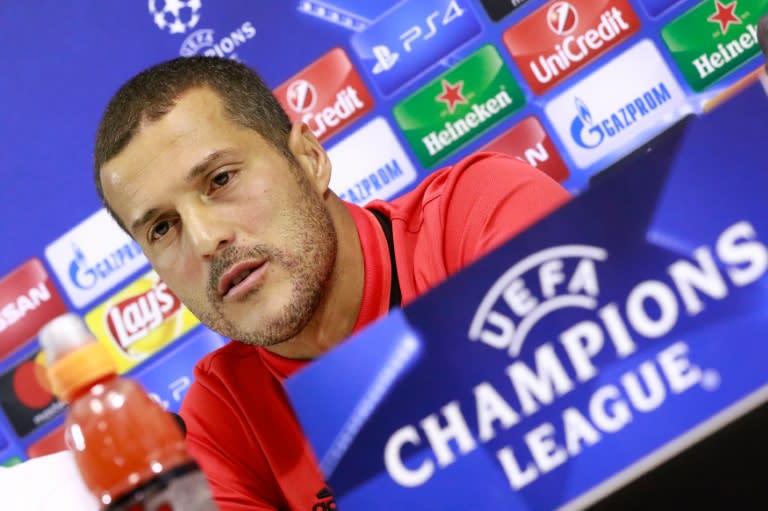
[[79, 369], [75, 358]]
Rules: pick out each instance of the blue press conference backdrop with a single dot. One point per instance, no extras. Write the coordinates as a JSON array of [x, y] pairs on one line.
[[570, 87]]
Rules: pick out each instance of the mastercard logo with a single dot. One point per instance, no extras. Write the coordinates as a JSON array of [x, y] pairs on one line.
[[26, 397], [30, 383]]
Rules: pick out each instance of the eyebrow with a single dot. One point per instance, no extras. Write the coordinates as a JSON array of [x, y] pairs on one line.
[[143, 219], [206, 163], [195, 172]]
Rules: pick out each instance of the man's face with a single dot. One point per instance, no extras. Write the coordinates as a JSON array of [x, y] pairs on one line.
[[238, 232]]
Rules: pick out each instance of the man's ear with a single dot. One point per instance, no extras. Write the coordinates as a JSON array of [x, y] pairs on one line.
[[310, 155]]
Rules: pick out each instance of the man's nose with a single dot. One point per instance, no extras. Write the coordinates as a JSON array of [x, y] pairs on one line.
[[206, 231]]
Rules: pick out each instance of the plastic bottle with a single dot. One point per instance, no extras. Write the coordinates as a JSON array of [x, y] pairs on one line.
[[129, 450]]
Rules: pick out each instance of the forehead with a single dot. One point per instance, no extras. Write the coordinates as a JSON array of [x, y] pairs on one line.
[[161, 153], [197, 113]]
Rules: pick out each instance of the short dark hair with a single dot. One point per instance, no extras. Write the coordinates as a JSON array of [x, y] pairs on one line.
[[153, 93], [762, 36]]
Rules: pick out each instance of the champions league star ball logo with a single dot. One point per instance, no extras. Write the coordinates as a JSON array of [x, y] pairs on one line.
[[176, 16]]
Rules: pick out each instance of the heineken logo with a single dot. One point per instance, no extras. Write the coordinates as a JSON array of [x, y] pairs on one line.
[[724, 16], [453, 131], [451, 94], [458, 106], [713, 39], [724, 56]]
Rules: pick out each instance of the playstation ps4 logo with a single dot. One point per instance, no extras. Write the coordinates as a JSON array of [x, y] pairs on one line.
[[385, 59], [589, 133], [413, 37]]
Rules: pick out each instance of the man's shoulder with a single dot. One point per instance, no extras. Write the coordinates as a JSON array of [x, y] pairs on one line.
[[483, 175], [474, 172], [490, 172]]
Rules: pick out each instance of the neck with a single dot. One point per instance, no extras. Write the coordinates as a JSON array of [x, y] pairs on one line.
[[338, 309]]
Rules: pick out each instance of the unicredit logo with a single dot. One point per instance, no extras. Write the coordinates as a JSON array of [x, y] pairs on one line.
[[347, 103], [326, 96], [562, 18], [574, 49], [557, 40], [301, 96]]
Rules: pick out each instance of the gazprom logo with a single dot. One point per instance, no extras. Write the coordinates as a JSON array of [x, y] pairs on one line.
[[93, 257], [588, 132], [86, 274], [583, 130]]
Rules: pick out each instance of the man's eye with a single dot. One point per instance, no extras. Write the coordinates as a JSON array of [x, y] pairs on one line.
[[221, 179], [159, 230]]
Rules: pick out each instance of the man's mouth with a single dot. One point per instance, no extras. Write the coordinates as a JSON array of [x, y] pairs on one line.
[[240, 279]]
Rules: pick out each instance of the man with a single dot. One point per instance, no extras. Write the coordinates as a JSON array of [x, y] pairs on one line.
[[231, 204]]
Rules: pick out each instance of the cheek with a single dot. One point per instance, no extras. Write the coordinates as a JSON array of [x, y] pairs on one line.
[[255, 212], [180, 273]]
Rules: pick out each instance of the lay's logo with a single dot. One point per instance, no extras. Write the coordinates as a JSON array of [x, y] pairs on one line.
[[132, 319], [141, 319]]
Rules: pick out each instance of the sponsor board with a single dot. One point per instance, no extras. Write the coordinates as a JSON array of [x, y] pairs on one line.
[[350, 14], [328, 95], [167, 379], [616, 108], [370, 164], [28, 300], [656, 8], [139, 320], [15, 460], [26, 397], [562, 37], [458, 106], [206, 42], [411, 38], [497, 9], [529, 142], [49, 444], [93, 257], [714, 38]]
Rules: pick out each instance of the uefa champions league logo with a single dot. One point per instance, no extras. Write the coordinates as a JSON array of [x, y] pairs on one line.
[[176, 16]]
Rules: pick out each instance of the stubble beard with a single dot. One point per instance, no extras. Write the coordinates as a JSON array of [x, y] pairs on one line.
[[309, 268]]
